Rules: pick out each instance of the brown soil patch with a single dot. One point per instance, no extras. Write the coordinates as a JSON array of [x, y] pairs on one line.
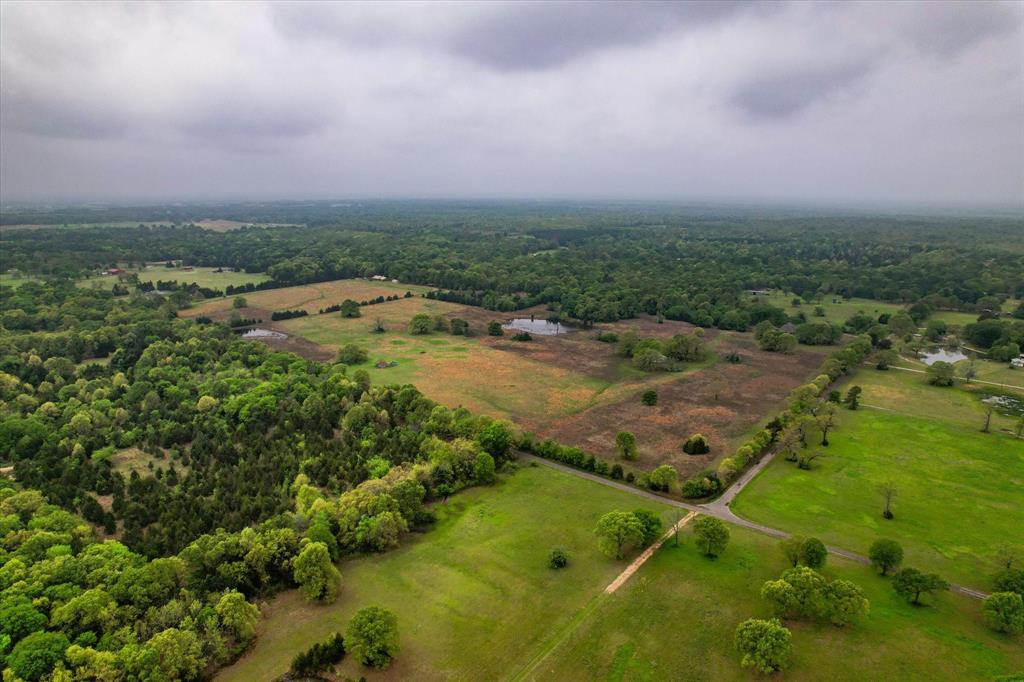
[[723, 402]]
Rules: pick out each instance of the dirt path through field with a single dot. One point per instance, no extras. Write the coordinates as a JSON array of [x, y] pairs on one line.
[[647, 554]]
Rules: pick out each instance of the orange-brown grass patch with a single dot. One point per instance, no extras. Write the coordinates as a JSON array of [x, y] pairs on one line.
[[724, 402]]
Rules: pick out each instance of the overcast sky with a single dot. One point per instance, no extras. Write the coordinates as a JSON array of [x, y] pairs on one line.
[[883, 101]]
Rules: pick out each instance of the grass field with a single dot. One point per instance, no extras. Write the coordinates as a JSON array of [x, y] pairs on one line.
[[474, 596], [959, 491], [12, 281], [837, 309], [675, 621], [204, 277], [910, 393]]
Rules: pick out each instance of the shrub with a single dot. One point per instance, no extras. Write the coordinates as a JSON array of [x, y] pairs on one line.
[[522, 336], [696, 445], [558, 558], [319, 657], [663, 478], [649, 398], [616, 472], [494, 329], [351, 354], [608, 337], [420, 324], [625, 445], [460, 327]]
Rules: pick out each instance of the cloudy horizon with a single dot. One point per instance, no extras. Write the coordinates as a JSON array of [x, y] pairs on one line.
[[917, 103]]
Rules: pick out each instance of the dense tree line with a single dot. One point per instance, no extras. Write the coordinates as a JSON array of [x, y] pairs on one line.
[[593, 265]]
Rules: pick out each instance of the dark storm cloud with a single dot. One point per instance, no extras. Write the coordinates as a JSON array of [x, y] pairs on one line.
[[784, 95], [542, 35]]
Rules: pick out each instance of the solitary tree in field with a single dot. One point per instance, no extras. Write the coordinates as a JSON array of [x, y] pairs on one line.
[[1004, 612], [378, 326], [885, 555], [372, 636], [617, 531], [765, 645], [711, 534], [888, 492], [988, 419], [625, 444], [853, 397], [494, 329], [239, 302], [813, 553], [649, 398], [911, 583]]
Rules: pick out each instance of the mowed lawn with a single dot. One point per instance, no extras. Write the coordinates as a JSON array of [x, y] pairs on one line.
[[474, 596], [960, 492], [676, 618]]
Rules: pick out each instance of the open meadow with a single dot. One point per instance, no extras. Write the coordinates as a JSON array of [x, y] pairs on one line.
[[207, 277], [474, 595], [959, 491], [836, 308], [674, 620]]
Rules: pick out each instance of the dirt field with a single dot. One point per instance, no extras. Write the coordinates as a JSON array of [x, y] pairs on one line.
[[723, 401]]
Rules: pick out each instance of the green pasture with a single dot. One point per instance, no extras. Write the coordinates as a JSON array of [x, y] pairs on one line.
[[959, 491], [474, 596], [675, 621]]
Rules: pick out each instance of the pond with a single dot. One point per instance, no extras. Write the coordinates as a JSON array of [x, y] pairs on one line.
[[535, 326], [941, 354], [258, 333]]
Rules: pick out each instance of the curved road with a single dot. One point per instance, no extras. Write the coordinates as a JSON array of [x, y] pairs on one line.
[[719, 508]]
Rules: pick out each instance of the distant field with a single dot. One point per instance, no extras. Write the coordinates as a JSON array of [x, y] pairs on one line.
[[474, 595], [203, 276], [310, 297], [15, 282], [959, 491], [675, 620], [837, 309]]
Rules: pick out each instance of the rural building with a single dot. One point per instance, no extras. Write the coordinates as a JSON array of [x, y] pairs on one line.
[[114, 271]]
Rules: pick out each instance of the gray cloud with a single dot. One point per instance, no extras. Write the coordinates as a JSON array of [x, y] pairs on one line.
[[528, 36], [853, 101], [785, 95]]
